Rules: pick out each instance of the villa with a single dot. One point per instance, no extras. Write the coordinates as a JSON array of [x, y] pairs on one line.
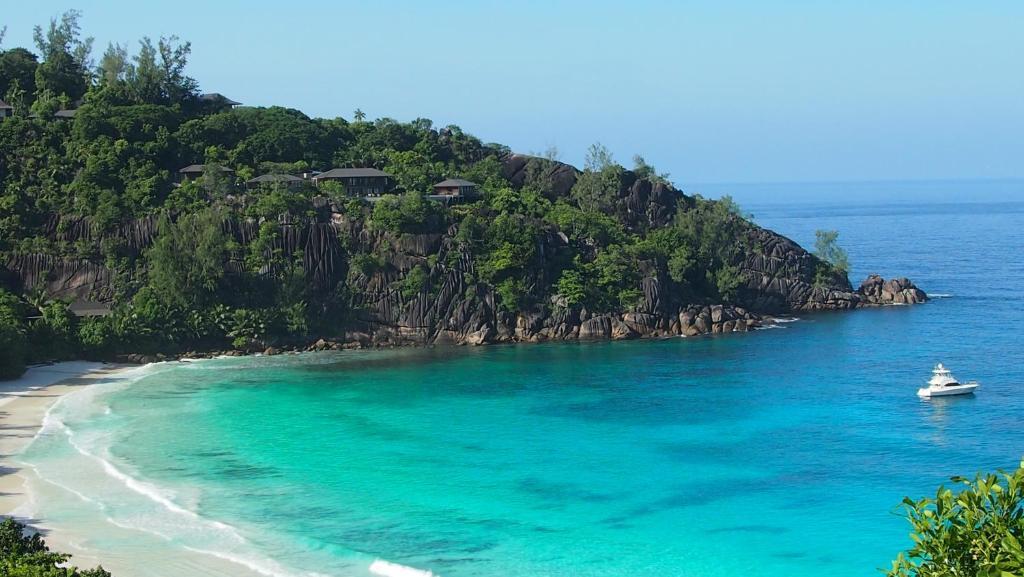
[[195, 171], [6, 110], [455, 187], [218, 101], [285, 180], [358, 181]]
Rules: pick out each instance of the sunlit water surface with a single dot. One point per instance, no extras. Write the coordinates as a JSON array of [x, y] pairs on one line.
[[778, 453]]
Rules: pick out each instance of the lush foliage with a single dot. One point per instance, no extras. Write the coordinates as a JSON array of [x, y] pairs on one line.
[[24, 555], [976, 531], [34, 329], [826, 247], [205, 262]]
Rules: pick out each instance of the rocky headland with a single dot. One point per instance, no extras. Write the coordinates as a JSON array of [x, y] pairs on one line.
[[778, 277]]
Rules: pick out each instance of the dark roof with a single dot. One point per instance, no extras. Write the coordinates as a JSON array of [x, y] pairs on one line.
[[5, 105], [194, 168], [64, 113], [351, 173], [453, 182], [218, 98], [84, 308], [273, 178]]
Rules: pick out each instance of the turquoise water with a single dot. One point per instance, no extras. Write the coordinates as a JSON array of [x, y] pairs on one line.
[[782, 452]]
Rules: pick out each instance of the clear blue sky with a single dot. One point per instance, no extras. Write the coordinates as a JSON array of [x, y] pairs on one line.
[[711, 91]]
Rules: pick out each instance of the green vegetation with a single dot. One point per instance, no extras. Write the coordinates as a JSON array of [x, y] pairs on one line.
[[833, 257], [24, 555], [977, 531], [208, 264], [409, 213]]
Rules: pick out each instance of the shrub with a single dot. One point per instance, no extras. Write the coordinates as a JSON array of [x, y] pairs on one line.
[[572, 286], [13, 343], [409, 213], [248, 327], [974, 532], [24, 555], [97, 336], [826, 247], [54, 335], [511, 294], [13, 349], [367, 264], [414, 282]]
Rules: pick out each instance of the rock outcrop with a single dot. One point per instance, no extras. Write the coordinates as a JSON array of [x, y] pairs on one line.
[[779, 277], [898, 291], [520, 169]]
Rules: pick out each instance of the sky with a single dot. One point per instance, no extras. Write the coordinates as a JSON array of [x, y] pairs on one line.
[[709, 91]]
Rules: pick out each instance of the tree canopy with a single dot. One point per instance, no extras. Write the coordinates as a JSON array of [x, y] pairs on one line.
[[202, 261]]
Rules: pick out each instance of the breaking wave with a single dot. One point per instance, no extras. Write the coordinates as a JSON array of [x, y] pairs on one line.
[[126, 501]]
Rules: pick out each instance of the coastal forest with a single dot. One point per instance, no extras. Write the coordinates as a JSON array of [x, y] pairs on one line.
[[109, 251], [94, 213]]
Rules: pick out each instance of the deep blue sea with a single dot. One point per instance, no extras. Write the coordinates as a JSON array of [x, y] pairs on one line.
[[778, 453]]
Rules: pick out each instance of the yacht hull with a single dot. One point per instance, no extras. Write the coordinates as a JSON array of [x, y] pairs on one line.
[[947, 391]]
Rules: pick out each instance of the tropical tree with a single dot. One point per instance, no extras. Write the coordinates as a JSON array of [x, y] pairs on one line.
[[644, 170], [65, 69], [17, 71], [598, 186], [186, 262], [826, 247]]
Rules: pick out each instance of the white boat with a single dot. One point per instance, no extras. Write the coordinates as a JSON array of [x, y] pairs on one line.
[[944, 384]]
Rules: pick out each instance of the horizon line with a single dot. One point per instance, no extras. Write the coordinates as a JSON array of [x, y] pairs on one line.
[[911, 180]]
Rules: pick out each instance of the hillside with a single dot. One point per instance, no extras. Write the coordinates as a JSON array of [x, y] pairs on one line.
[[97, 215]]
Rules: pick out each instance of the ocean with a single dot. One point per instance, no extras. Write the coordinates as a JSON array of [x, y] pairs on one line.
[[777, 453]]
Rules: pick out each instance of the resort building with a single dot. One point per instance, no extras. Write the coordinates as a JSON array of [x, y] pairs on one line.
[[87, 308], [285, 180], [194, 171], [358, 181], [62, 114], [455, 187], [218, 100], [6, 110]]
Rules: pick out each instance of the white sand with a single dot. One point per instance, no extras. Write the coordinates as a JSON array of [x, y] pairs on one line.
[[23, 405]]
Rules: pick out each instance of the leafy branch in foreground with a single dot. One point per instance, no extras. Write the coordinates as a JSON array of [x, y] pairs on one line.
[[975, 532], [24, 555]]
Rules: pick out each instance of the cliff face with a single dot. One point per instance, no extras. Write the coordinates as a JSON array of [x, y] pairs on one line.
[[779, 274], [779, 277]]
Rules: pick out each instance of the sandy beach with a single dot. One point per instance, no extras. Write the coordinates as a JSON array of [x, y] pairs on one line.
[[24, 403]]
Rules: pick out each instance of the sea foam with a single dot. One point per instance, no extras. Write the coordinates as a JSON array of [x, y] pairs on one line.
[[176, 523], [389, 569]]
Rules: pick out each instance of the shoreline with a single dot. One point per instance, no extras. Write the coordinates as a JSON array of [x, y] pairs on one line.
[[323, 344], [24, 404]]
